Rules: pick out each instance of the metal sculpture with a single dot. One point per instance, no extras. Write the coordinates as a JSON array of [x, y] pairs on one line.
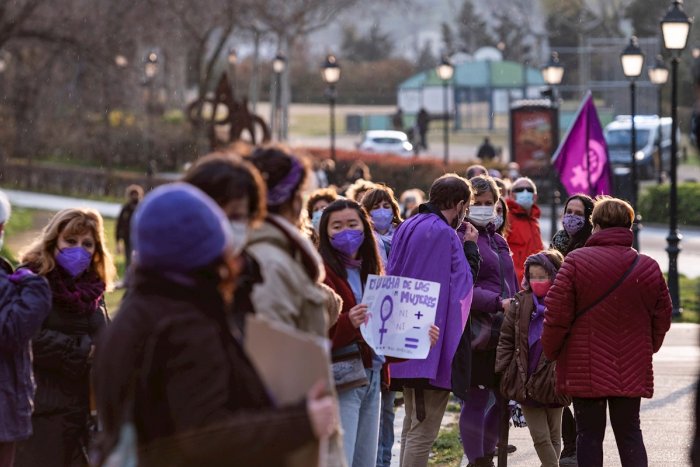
[[236, 116]]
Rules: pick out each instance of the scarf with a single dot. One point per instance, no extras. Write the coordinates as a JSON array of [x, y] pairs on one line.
[[349, 262], [79, 295], [386, 238], [534, 335]]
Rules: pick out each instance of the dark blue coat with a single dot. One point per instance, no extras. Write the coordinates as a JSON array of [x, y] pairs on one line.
[[23, 307]]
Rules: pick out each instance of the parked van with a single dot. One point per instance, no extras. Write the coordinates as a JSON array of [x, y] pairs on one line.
[[653, 144]]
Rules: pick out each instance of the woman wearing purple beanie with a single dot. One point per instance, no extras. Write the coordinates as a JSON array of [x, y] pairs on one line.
[[169, 367]]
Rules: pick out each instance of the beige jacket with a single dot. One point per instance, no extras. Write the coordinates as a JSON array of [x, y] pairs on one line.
[[292, 270]]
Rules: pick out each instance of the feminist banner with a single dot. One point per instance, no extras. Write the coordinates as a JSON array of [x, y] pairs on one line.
[[400, 312]]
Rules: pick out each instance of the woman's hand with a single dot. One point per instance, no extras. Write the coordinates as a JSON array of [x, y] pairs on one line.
[[434, 335], [505, 303], [358, 314], [322, 410]]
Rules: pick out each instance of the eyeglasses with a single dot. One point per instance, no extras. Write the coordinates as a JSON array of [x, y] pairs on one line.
[[520, 189]]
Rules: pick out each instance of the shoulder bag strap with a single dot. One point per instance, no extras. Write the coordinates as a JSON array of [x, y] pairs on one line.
[[609, 291]]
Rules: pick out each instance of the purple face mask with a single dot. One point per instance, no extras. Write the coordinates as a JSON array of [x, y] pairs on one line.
[[382, 217], [572, 223], [348, 241], [74, 260]]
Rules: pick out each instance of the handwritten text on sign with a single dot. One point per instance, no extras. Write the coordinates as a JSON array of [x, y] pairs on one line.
[[400, 312]]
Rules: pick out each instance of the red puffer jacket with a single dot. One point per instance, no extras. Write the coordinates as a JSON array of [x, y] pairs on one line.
[[524, 237], [608, 352]]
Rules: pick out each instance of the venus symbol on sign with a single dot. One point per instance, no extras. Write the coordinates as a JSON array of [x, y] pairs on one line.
[[385, 312]]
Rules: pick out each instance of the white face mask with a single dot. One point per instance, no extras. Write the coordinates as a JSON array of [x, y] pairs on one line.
[[498, 221], [240, 235], [482, 215]]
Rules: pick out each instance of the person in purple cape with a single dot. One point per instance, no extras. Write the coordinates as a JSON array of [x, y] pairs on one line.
[[427, 247]]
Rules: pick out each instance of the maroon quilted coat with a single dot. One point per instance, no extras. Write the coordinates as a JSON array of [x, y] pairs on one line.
[[609, 350]]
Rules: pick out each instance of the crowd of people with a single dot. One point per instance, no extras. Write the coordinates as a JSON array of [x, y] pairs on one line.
[[167, 380]]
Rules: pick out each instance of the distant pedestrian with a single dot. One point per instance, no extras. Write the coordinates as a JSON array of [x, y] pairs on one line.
[[524, 237], [526, 375], [134, 194], [409, 202], [608, 309], [422, 122], [72, 255], [427, 247], [25, 301], [397, 120], [501, 220], [486, 152], [169, 366]]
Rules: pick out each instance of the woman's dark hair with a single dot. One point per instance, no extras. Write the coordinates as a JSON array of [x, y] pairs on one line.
[[358, 170], [371, 262], [504, 206], [284, 174], [379, 194], [225, 177], [580, 238], [322, 194]]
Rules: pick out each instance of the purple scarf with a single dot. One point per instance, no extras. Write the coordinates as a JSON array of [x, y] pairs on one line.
[[80, 295], [349, 262], [534, 336]]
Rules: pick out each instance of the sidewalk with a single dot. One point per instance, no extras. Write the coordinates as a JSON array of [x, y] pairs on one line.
[[667, 419], [25, 199]]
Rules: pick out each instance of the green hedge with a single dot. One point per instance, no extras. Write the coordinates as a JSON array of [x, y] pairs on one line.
[[653, 204], [400, 173]]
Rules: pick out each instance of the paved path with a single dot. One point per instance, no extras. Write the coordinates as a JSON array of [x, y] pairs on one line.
[[25, 199], [667, 418]]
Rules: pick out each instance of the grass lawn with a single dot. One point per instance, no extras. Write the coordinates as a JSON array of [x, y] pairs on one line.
[[447, 449], [690, 300]]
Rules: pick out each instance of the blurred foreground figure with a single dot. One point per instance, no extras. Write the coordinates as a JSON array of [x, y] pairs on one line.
[[25, 301], [170, 368]]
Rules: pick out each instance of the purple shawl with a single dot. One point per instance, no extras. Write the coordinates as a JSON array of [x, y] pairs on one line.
[[425, 247]]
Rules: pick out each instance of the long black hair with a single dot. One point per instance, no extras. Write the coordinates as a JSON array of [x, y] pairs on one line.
[[580, 238], [371, 262]]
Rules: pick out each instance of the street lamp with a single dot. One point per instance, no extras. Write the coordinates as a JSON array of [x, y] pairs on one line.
[[632, 59], [150, 69], [552, 74], [658, 75], [279, 63], [675, 27], [331, 74], [445, 70]]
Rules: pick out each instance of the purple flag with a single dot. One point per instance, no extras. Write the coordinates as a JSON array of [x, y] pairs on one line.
[[582, 156]]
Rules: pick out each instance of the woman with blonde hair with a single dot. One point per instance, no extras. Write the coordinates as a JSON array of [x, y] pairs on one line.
[[72, 255]]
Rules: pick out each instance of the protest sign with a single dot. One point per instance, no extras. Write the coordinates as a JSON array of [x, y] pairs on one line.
[[400, 312]]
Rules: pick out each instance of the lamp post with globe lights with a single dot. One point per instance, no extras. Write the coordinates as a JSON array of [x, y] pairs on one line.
[[632, 60], [445, 70], [331, 74], [279, 63], [658, 75], [675, 28], [552, 74]]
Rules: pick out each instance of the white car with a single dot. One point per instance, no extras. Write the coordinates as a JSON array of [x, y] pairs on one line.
[[387, 141]]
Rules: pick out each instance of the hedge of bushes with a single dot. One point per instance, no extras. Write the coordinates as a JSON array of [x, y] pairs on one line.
[[654, 204], [400, 173]]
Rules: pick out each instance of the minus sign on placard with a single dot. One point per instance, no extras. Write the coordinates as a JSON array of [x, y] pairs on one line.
[[416, 327]]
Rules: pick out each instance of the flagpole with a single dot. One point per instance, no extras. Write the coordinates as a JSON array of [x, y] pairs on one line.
[[591, 190]]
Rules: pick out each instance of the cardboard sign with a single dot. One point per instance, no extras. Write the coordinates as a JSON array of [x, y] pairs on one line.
[[400, 312]]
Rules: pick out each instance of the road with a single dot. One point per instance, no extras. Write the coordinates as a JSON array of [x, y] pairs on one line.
[[667, 418]]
